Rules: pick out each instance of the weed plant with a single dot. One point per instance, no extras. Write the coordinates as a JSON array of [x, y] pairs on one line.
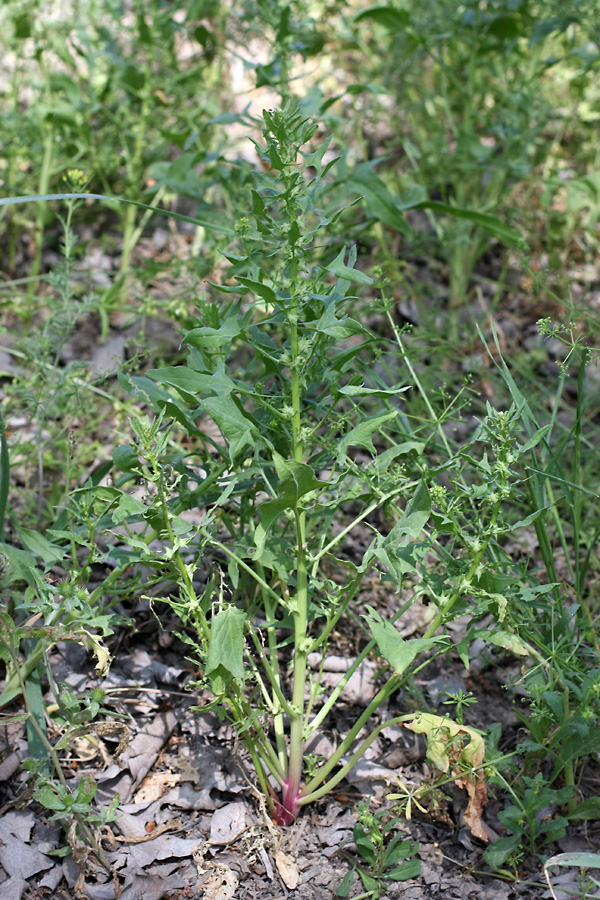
[[52, 395], [474, 115], [292, 425], [381, 855], [112, 93], [280, 378]]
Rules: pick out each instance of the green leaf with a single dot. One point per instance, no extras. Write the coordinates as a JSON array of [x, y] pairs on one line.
[[585, 860], [399, 560], [362, 435], [523, 523], [364, 843], [380, 203], [414, 518], [388, 456], [39, 545], [389, 210], [213, 338], [296, 478], [347, 273], [534, 441], [497, 854], [391, 18], [37, 747], [158, 398], [194, 383], [345, 885], [260, 289], [507, 27], [236, 427], [21, 565], [339, 329], [315, 160], [399, 849], [126, 459], [211, 224], [409, 869], [226, 644], [588, 809], [394, 552], [556, 704], [48, 799], [22, 25], [492, 224], [269, 513], [127, 508], [583, 743], [370, 884], [357, 390], [545, 27], [395, 650], [504, 639]]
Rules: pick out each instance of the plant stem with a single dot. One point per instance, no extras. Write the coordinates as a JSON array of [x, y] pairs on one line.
[[44, 182], [278, 702], [300, 606], [315, 789], [569, 764], [4, 475]]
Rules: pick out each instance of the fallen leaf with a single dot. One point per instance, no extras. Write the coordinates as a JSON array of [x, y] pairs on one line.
[[221, 885], [19, 859], [228, 823], [475, 787], [287, 869]]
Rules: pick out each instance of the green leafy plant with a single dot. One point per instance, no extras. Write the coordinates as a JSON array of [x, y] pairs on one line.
[[65, 612], [288, 30], [293, 425], [111, 93], [529, 829], [466, 83], [53, 394], [265, 499], [381, 855], [564, 683], [46, 624], [286, 380]]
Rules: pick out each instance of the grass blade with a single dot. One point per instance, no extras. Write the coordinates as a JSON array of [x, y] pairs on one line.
[[4, 475]]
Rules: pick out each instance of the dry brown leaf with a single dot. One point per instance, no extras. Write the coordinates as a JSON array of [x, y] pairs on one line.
[[476, 789], [447, 752], [221, 885], [287, 869]]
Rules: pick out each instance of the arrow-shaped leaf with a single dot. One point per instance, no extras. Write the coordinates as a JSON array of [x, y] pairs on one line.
[[226, 644], [362, 434]]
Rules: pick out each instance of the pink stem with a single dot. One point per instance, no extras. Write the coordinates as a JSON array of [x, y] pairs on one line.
[[288, 808]]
